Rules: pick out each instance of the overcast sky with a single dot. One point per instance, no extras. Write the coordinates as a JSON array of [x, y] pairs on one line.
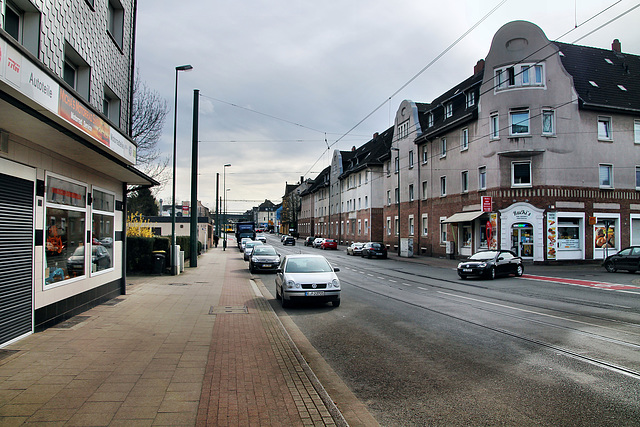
[[277, 77]]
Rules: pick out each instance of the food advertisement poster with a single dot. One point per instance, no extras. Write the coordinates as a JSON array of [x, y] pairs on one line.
[[492, 243], [604, 239], [552, 233], [81, 117]]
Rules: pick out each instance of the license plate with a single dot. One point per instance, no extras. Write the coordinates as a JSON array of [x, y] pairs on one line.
[[467, 270], [266, 265], [315, 293]]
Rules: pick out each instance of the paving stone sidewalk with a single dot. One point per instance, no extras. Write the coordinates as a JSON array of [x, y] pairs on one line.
[[202, 348]]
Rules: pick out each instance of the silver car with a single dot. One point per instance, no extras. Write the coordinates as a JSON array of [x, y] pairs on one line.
[[264, 258], [355, 249], [305, 277], [248, 248]]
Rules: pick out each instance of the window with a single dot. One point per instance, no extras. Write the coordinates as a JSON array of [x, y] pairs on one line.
[[511, 76], [115, 21], [443, 186], [448, 110], [521, 174], [397, 195], [524, 71], [411, 225], [359, 227], [430, 120], [604, 128], [425, 152], [424, 190], [403, 129], [482, 178], [359, 179], [388, 167], [102, 231], [76, 72], [548, 122], [425, 224], [22, 22], [519, 122], [494, 127], [464, 179], [366, 226], [606, 176], [111, 106], [366, 202], [637, 177], [389, 197], [397, 164], [499, 80], [66, 237], [443, 147], [443, 230], [464, 140], [411, 192], [471, 99], [359, 203], [539, 78], [410, 158], [388, 226], [636, 131], [397, 225]]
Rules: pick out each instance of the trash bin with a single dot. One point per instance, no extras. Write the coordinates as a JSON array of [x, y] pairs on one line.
[[159, 261]]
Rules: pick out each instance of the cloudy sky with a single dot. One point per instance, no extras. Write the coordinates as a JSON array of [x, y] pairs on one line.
[[280, 81]]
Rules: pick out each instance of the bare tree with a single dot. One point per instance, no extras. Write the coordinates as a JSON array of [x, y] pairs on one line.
[[148, 115]]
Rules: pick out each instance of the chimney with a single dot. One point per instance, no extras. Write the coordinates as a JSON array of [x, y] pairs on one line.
[[353, 148], [375, 135], [301, 179], [616, 47], [478, 67]]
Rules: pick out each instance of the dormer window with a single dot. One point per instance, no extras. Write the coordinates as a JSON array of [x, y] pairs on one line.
[[430, 120], [471, 99], [610, 62], [592, 83], [448, 110]]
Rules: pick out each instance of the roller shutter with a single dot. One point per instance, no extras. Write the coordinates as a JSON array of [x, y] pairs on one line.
[[16, 257]]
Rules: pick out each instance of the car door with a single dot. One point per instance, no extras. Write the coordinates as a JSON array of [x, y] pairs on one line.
[[622, 260], [503, 263]]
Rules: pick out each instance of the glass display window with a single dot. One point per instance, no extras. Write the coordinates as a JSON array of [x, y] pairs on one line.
[[102, 230]]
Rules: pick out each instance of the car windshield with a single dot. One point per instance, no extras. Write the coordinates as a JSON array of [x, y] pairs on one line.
[[308, 265], [376, 246], [252, 244], [481, 256], [264, 251]]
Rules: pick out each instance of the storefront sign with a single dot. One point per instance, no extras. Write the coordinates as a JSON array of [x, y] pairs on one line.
[[487, 204], [522, 214], [552, 234], [77, 114]]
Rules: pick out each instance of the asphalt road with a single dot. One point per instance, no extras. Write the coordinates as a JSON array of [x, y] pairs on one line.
[[418, 346]]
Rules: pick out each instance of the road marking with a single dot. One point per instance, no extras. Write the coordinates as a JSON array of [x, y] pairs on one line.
[[393, 281], [420, 287], [379, 277], [406, 284], [578, 282]]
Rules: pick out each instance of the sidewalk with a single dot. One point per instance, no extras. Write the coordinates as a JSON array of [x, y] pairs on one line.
[[202, 348]]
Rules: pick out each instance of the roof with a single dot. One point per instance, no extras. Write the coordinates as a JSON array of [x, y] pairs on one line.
[[610, 72], [370, 154], [319, 182]]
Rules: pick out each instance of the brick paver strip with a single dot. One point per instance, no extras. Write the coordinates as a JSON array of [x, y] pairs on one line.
[[253, 376]]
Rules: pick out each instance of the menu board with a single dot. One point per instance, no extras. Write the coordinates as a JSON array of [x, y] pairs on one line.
[[552, 233]]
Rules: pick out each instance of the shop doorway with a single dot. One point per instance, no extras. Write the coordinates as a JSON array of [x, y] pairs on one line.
[[522, 241]]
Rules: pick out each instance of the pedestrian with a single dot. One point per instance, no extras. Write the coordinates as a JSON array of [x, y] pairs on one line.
[[215, 240]]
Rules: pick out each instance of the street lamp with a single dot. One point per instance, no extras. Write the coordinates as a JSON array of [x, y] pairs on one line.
[[224, 204], [174, 254], [398, 172]]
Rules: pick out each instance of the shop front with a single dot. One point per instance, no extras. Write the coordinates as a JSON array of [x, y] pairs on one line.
[[469, 230], [522, 231]]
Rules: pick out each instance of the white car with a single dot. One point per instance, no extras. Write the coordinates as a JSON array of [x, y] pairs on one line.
[[243, 242], [303, 277], [262, 238], [317, 242], [248, 248]]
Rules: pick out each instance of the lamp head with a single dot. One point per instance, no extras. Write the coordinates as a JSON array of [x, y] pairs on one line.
[[227, 165], [184, 68]]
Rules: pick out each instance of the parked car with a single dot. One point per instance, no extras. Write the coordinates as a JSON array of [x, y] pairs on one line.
[[355, 249], [491, 264], [329, 244], [289, 240], [261, 238], [317, 242], [627, 259], [106, 241], [374, 249], [303, 277], [99, 257], [265, 258], [309, 241], [249, 246], [244, 242]]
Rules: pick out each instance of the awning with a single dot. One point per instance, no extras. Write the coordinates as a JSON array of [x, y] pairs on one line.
[[464, 216]]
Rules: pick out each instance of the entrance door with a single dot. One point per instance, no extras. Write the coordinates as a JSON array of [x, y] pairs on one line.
[[522, 240]]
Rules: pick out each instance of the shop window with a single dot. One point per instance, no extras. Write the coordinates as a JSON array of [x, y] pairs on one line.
[[483, 235], [604, 238], [569, 234], [466, 236], [102, 231], [65, 230]]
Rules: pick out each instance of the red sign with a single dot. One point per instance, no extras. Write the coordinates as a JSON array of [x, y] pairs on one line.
[[489, 231], [487, 204]]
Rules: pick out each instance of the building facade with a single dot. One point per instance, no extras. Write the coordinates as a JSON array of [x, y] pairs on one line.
[[66, 77]]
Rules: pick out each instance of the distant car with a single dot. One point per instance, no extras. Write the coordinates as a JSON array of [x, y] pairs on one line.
[[244, 242], [374, 249], [99, 257], [491, 264], [262, 238], [265, 258], [355, 249], [627, 259], [249, 246], [305, 277], [329, 244], [309, 241], [282, 237], [289, 240], [106, 241], [317, 242]]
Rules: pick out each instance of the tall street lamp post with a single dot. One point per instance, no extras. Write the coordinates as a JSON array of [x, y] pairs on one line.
[[174, 252], [398, 201], [224, 204]]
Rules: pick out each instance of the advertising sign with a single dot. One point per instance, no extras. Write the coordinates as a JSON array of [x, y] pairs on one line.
[[77, 114], [487, 204], [552, 231], [492, 243]]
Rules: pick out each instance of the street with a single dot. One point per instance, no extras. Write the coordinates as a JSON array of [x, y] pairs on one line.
[[419, 346]]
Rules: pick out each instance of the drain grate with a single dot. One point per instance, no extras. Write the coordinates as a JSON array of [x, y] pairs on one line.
[[68, 324], [229, 309]]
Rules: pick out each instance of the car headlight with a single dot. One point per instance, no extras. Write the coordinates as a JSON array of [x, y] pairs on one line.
[[335, 283], [292, 284], [482, 265]]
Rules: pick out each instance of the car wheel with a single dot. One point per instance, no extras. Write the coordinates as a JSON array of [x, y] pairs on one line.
[[285, 303], [277, 293], [519, 270], [610, 267], [369, 256], [251, 269], [492, 273], [336, 303], [462, 276]]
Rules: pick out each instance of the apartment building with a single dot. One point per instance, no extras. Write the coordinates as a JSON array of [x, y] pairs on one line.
[[66, 158]]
